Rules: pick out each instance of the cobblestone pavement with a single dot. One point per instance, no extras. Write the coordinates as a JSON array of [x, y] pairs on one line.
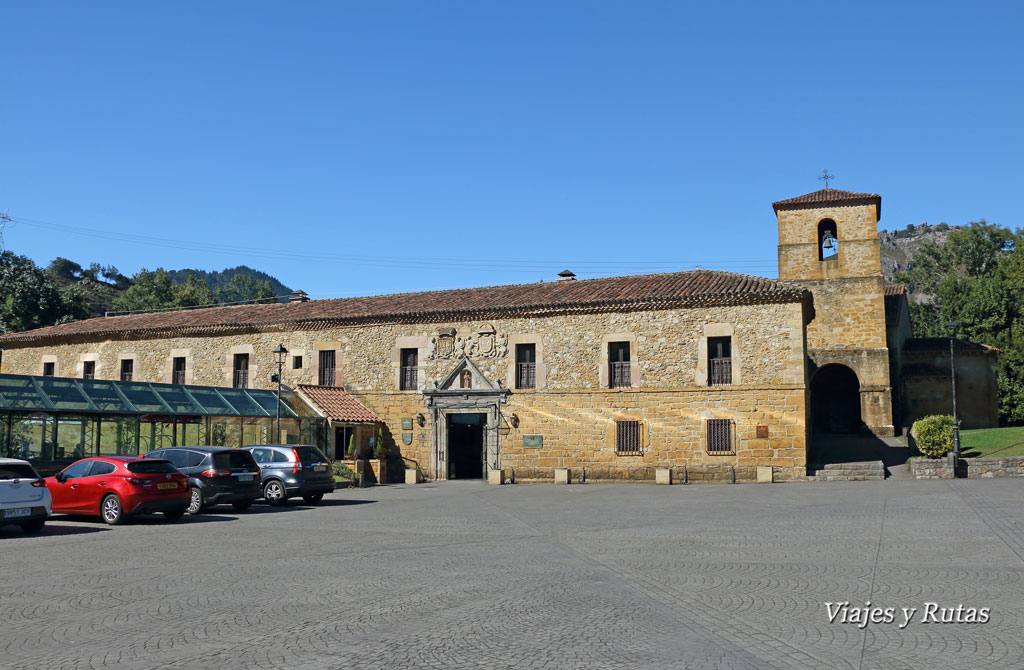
[[461, 575]]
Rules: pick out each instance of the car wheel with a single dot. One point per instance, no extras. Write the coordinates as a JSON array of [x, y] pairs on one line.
[[33, 526], [242, 506], [175, 515], [195, 504], [313, 497], [111, 510], [274, 492]]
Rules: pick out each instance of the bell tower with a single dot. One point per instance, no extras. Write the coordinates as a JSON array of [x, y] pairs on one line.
[[828, 243]]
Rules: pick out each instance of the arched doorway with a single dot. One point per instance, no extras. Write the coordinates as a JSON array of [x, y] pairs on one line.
[[835, 400]]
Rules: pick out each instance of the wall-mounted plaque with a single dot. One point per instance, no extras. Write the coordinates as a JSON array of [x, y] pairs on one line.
[[762, 432], [406, 423], [406, 438], [533, 441]]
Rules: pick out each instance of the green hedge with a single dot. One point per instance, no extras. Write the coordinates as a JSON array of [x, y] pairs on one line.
[[934, 435]]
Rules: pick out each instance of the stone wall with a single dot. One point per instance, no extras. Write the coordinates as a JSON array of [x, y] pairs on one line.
[[577, 429], [767, 339], [974, 468], [977, 400], [573, 409]]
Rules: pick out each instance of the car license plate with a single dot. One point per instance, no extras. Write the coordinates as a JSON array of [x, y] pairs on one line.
[[16, 512], [167, 485], [320, 468], [245, 478]]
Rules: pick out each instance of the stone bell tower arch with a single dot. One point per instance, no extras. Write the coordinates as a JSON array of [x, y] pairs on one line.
[[828, 243]]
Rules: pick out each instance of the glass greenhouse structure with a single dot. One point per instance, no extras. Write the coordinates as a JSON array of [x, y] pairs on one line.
[[53, 421]]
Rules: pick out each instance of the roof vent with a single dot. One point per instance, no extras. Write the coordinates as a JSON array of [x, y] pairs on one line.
[[298, 296], [566, 275]]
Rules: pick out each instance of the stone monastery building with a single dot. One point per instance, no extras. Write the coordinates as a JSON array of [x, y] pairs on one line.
[[712, 371]]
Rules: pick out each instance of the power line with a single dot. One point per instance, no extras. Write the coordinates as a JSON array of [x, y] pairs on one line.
[[531, 266]]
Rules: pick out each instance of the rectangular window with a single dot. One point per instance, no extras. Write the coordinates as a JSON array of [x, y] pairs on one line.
[[410, 371], [296, 362], [241, 375], [88, 369], [49, 369], [127, 369], [327, 360], [526, 366], [178, 370], [719, 436], [618, 365], [719, 361], [627, 437]]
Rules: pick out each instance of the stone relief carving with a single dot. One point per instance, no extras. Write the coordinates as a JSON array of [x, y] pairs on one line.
[[485, 342]]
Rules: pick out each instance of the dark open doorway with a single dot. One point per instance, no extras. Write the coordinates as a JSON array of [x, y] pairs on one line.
[[466, 445], [835, 400]]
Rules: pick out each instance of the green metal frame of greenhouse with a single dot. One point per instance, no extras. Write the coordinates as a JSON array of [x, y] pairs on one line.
[[53, 421]]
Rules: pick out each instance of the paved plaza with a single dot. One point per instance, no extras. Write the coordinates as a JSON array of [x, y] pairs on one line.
[[462, 575]]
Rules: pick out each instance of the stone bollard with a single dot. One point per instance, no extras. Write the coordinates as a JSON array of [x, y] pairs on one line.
[[562, 475], [764, 474], [495, 477], [412, 476], [663, 476]]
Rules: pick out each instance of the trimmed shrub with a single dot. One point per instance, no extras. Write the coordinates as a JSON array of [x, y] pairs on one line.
[[342, 471], [934, 435]]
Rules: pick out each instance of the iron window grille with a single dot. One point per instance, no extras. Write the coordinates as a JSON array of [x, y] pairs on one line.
[[719, 361], [719, 436], [240, 379], [327, 369], [409, 373], [619, 374], [178, 371], [526, 366], [127, 369], [627, 437], [89, 370]]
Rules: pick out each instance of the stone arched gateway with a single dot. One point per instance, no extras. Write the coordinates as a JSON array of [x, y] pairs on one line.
[[835, 400]]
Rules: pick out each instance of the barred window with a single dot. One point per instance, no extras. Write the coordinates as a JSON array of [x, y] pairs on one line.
[[89, 370], [719, 436], [627, 437]]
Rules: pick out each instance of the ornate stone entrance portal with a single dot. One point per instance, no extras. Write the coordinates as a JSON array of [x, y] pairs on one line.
[[465, 411]]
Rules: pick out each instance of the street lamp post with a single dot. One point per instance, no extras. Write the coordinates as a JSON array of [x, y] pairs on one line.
[[951, 326], [280, 351]]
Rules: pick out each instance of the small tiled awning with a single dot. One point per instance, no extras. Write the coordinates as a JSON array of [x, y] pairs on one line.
[[337, 405]]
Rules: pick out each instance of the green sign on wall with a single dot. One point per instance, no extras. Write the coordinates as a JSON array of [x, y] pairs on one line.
[[406, 423], [533, 441]]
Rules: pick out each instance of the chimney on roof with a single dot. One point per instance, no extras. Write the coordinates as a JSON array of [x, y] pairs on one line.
[[298, 296], [566, 275]]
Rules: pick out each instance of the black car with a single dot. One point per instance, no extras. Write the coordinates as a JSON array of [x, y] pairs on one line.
[[217, 475], [293, 470]]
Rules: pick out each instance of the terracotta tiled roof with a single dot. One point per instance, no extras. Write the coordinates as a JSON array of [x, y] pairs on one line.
[[338, 405], [829, 196], [895, 297], [636, 292], [895, 289]]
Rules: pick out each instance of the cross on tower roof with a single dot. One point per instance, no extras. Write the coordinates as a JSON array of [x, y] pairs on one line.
[[826, 177]]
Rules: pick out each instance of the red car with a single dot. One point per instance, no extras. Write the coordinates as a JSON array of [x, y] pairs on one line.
[[118, 486]]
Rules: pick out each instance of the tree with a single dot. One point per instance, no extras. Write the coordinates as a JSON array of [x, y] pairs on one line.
[[149, 291], [63, 268], [977, 280], [194, 292], [31, 298], [242, 288]]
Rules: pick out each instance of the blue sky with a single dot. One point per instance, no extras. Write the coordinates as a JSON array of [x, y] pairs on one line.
[[359, 148]]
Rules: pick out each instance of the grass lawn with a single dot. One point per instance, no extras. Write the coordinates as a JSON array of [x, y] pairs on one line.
[[992, 442]]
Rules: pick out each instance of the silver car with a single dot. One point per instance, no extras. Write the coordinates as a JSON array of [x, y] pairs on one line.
[[24, 498], [287, 471]]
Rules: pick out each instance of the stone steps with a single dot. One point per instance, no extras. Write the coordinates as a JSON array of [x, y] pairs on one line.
[[846, 472]]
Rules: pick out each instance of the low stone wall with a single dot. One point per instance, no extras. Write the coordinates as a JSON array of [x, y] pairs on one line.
[[700, 473], [973, 468]]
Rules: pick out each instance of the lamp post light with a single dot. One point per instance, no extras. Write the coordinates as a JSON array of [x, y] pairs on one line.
[[280, 351], [952, 326]]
